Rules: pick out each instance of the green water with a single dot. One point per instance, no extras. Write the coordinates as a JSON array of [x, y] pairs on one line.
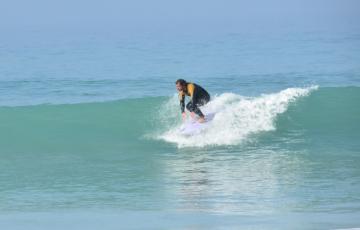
[[110, 156]]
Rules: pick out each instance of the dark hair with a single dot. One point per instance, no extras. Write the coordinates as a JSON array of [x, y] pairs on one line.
[[181, 82]]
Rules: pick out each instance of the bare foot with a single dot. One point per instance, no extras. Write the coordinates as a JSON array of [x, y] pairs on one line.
[[201, 119]]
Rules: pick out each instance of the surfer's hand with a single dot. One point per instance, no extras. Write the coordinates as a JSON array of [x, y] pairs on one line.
[[183, 116]]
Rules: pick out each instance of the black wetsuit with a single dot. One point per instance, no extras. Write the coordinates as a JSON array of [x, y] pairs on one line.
[[198, 95]]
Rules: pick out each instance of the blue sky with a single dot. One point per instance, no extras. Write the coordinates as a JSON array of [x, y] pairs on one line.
[[178, 15]]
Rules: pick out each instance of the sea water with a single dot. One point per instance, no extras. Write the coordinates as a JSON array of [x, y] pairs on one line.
[[89, 131]]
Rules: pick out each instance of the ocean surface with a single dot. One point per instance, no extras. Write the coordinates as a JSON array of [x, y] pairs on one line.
[[89, 131]]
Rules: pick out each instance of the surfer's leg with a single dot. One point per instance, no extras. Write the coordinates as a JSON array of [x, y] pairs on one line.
[[200, 100], [193, 108], [196, 101], [190, 106], [199, 113], [196, 109]]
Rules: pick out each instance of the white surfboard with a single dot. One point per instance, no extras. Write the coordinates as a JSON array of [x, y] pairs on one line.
[[194, 127]]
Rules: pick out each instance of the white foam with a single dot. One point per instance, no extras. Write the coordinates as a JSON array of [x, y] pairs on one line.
[[236, 117]]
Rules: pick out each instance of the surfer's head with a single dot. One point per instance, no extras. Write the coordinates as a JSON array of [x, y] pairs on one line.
[[180, 84]]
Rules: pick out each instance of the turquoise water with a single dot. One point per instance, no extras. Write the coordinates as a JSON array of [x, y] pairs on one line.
[[89, 139]]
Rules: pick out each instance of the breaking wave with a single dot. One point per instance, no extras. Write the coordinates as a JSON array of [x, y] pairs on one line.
[[236, 117]]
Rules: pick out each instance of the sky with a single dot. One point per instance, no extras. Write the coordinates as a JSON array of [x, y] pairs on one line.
[[192, 15]]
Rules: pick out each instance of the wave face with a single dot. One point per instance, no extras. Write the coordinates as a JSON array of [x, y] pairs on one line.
[[133, 124]]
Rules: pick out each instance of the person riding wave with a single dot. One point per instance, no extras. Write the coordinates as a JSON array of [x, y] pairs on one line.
[[199, 96]]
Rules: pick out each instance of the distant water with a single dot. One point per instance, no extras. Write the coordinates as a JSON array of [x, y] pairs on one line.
[[88, 132]]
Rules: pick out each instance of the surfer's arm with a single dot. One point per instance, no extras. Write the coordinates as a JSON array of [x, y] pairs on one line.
[[182, 102]]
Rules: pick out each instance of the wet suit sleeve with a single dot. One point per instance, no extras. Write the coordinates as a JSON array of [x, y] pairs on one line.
[[182, 102]]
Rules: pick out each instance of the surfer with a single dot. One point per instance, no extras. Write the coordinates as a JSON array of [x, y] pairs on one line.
[[198, 95]]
